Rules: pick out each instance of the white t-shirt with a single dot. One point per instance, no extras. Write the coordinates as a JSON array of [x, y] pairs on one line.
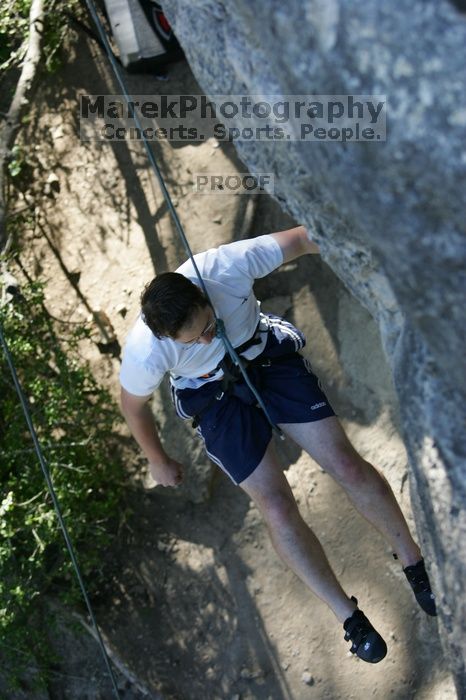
[[228, 273]]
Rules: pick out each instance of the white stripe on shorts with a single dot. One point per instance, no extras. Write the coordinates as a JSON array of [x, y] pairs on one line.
[[287, 330], [214, 458], [177, 403]]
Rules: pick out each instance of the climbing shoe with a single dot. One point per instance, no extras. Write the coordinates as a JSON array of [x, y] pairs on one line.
[[419, 582], [366, 641]]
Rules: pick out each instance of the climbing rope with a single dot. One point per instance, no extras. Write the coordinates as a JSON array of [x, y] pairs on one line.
[[221, 333]]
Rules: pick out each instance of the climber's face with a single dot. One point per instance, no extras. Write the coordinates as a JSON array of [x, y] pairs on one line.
[[201, 329]]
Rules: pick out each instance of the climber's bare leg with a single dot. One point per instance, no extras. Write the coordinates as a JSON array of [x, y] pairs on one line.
[[292, 538], [326, 442]]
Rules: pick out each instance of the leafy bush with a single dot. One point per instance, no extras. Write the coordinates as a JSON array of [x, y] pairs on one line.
[[14, 29], [74, 418]]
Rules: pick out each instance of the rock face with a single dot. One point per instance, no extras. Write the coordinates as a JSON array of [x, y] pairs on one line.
[[390, 216]]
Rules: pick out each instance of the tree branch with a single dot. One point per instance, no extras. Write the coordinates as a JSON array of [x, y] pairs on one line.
[[20, 101]]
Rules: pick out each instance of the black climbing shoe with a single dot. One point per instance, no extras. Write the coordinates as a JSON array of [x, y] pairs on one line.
[[419, 582], [367, 642]]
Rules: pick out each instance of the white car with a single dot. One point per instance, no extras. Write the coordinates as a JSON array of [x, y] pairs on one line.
[[143, 34]]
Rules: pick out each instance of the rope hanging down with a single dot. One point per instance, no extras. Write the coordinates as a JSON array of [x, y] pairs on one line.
[[221, 333], [56, 505]]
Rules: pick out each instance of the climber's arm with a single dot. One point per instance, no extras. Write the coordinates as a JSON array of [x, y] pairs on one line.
[[140, 419], [295, 242]]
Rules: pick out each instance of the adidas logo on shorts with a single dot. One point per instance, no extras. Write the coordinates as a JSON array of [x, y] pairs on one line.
[[318, 405]]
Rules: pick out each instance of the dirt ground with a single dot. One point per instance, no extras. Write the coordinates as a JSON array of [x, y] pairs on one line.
[[200, 607]]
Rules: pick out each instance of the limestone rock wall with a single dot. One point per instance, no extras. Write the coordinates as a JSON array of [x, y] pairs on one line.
[[390, 217]]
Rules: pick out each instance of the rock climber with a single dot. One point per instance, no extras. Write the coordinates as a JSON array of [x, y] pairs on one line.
[[177, 333]]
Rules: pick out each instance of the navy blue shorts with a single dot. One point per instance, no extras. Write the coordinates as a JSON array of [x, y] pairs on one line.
[[234, 429]]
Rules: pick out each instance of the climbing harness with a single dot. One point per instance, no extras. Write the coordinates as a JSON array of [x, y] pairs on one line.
[[232, 373]]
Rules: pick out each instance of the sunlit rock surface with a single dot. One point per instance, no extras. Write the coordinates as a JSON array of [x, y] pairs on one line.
[[390, 216]]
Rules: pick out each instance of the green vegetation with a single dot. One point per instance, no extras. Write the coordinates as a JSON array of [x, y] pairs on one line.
[[73, 416], [14, 29], [74, 419]]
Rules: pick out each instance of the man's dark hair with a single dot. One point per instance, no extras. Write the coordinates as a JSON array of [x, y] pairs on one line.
[[169, 302]]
